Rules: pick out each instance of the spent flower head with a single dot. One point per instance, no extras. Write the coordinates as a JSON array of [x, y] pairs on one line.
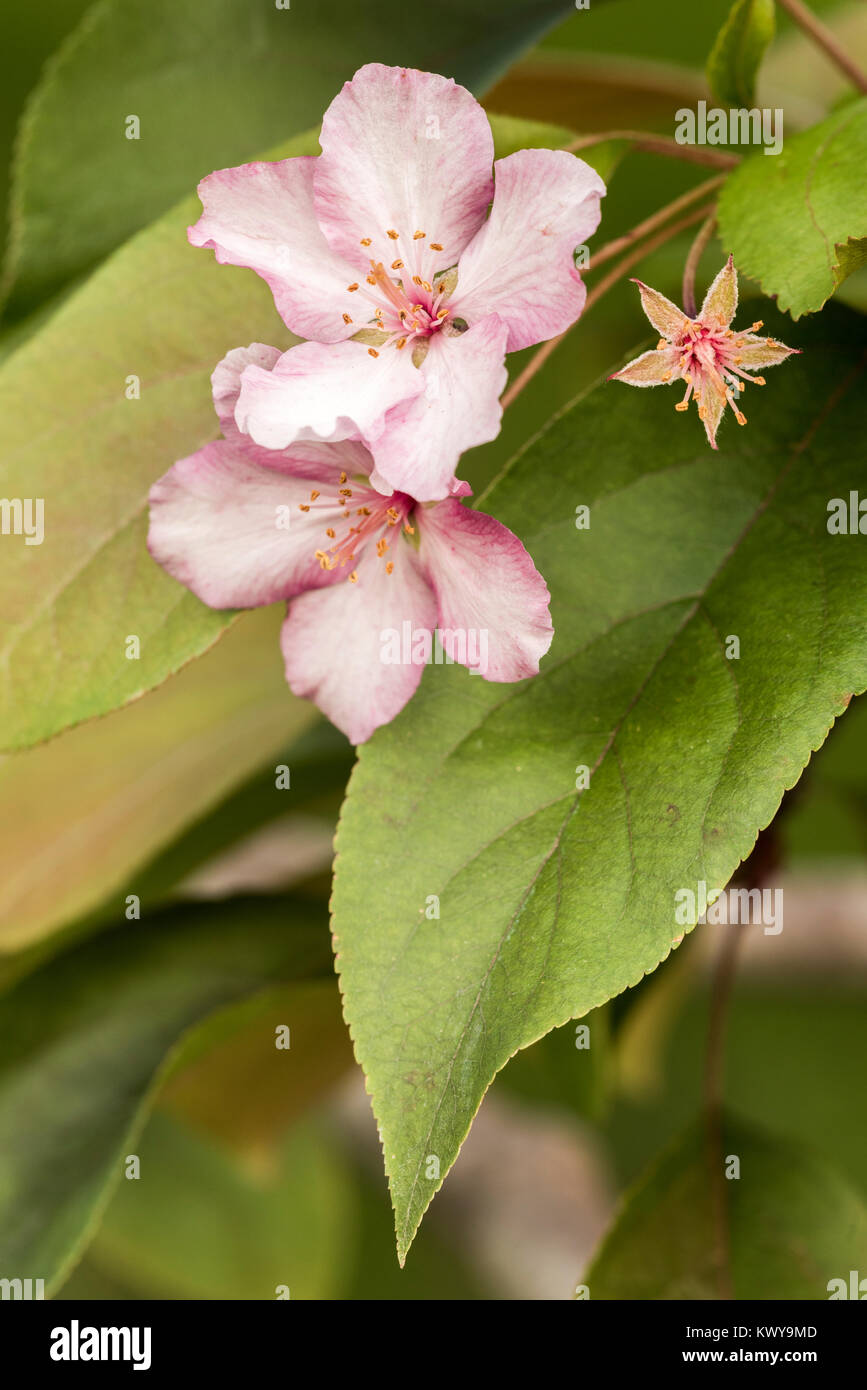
[[713, 359]]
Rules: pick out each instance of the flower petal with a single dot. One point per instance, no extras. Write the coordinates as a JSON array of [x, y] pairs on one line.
[[721, 301], [226, 380], [405, 151], [711, 397], [520, 264], [324, 391], [306, 459], [659, 367], [752, 352], [261, 215], [334, 642], [666, 318], [232, 531], [463, 377], [490, 596]]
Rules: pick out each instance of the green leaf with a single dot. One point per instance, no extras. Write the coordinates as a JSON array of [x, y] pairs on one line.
[[82, 815], [793, 1224], [553, 901], [210, 89], [88, 1040], [166, 313], [737, 54], [796, 222], [199, 1224]]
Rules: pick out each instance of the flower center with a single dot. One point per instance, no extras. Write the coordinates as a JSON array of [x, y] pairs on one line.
[[406, 290], [374, 521]]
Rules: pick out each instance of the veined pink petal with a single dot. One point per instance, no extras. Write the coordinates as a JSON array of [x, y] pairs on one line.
[[324, 391], [463, 378], [655, 368], [226, 380], [711, 396], [334, 641], [233, 532], [485, 582], [304, 458], [721, 301], [407, 152], [666, 318], [261, 215], [520, 264]]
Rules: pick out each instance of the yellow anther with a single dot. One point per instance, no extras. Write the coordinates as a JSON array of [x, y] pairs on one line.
[[397, 265], [426, 285], [352, 287], [343, 477], [371, 279], [682, 405], [393, 234], [346, 492], [303, 507], [435, 246], [410, 530], [330, 533], [442, 313], [389, 569], [416, 236], [365, 241], [346, 318], [372, 352], [353, 578], [417, 280], [313, 496]]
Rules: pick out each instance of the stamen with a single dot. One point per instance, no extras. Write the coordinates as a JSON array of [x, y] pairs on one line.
[[435, 245], [397, 265], [371, 279], [352, 287], [343, 477], [365, 241], [313, 496], [416, 236], [393, 234], [331, 533], [346, 318], [346, 492], [401, 343], [389, 569], [353, 578], [303, 507], [410, 530], [372, 352]]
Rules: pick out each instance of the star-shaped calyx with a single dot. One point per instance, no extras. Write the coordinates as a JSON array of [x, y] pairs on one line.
[[711, 357]]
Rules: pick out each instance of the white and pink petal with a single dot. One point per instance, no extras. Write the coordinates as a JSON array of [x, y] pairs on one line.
[[403, 151], [261, 215], [337, 643], [329, 392], [658, 367], [491, 599], [521, 262], [234, 532], [463, 377]]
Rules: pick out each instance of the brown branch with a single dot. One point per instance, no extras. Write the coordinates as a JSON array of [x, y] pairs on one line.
[[650, 224], [822, 36], [696, 251], [649, 143]]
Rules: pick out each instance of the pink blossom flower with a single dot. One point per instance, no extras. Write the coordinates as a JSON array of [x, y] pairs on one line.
[[242, 526], [705, 352], [386, 234]]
